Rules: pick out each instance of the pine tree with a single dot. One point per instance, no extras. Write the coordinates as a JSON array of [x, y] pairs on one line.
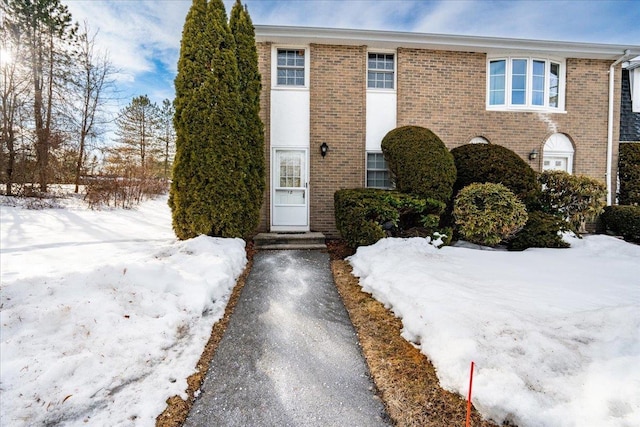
[[138, 128], [208, 191], [45, 26], [252, 127]]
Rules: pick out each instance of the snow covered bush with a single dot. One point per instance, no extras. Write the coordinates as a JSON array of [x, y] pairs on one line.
[[489, 213], [542, 230], [419, 162], [366, 215], [576, 198], [623, 220]]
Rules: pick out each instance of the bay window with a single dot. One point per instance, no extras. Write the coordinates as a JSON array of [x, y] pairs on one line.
[[525, 83]]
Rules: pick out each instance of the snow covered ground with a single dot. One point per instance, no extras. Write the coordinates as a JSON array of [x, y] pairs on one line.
[[104, 314], [555, 333]]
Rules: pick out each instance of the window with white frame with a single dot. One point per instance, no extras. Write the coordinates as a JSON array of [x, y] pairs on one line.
[[290, 67], [525, 82], [377, 171], [380, 71]]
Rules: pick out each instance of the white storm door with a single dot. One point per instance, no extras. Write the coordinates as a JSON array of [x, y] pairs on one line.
[[555, 163], [290, 193]]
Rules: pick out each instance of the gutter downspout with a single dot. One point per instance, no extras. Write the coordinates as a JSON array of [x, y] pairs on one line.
[[610, 125]]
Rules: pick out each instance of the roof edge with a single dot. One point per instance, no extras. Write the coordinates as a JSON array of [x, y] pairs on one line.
[[395, 39]]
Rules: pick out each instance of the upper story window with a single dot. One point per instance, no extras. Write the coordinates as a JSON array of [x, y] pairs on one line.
[[380, 71], [291, 67], [522, 83]]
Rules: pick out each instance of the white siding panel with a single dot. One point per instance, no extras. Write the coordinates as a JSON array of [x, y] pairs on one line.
[[290, 118], [381, 117], [635, 89]]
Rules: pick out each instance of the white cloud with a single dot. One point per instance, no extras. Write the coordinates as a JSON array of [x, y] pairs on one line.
[[136, 34]]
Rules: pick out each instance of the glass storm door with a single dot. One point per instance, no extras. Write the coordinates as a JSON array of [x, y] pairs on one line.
[[290, 192]]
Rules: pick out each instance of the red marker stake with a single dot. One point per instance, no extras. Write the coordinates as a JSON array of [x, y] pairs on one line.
[[469, 397]]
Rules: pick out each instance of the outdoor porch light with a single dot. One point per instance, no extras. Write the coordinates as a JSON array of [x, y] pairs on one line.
[[533, 154], [323, 149]]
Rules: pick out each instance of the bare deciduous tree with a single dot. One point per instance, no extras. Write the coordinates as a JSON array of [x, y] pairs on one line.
[[13, 94], [92, 84]]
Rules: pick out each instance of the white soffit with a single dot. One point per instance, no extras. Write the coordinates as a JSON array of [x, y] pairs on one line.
[[393, 40]]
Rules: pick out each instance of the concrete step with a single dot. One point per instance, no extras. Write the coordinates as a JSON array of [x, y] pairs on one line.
[[272, 241]]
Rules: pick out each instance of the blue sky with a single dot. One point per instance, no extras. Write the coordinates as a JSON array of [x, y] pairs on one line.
[[143, 37]]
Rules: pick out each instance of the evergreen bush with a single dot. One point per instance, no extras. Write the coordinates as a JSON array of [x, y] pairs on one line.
[[419, 163], [542, 230], [488, 213], [251, 125], [482, 163], [576, 198], [629, 173], [366, 215], [622, 220], [211, 192]]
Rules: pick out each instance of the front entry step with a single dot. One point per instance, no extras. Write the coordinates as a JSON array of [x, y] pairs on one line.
[[266, 241]]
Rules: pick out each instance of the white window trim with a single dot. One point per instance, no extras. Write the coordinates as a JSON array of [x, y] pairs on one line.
[[274, 68], [558, 148], [528, 107], [395, 71], [366, 171]]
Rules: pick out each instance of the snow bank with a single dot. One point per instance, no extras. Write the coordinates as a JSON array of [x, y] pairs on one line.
[[555, 333], [104, 314]]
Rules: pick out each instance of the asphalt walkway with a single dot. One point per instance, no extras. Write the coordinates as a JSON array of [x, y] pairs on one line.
[[290, 355]]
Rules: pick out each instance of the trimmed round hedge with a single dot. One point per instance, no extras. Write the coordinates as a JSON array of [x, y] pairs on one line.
[[489, 213], [420, 163], [497, 164]]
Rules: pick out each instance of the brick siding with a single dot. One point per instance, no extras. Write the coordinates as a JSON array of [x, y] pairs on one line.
[[338, 97], [264, 66], [445, 92]]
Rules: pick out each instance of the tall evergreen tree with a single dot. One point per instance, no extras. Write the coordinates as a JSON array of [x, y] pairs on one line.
[[252, 127], [208, 191], [138, 129], [46, 27]]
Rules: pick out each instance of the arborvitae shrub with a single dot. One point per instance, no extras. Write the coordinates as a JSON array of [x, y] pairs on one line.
[[487, 214], [542, 230], [497, 164], [622, 220], [366, 215], [576, 198], [210, 193], [419, 163], [629, 173], [251, 125]]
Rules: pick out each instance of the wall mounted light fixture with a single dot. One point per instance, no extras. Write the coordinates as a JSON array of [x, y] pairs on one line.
[[323, 149], [533, 154]]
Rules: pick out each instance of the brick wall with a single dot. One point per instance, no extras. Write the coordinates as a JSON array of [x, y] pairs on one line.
[[338, 97], [446, 92], [264, 66], [442, 91]]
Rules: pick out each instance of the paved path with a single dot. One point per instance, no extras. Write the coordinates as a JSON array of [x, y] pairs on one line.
[[290, 355]]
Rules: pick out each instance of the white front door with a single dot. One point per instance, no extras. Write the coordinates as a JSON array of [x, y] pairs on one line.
[[555, 163], [290, 194]]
